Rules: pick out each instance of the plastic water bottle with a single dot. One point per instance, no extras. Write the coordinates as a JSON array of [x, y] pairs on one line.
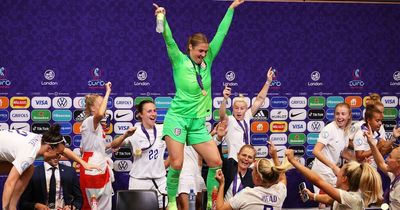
[[93, 202], [214, 196], [192, 200], [160, 23]]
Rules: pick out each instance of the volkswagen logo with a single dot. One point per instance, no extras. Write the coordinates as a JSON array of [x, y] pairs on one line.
[[123, 165], [49, 74], [230, 76], [316, 126], [141, 75], [62, 102]]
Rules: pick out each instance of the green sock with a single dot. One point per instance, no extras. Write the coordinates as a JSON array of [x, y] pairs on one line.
[[172, 187], [211, 182]]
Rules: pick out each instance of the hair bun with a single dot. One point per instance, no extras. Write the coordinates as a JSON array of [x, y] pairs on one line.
[[55, 129]]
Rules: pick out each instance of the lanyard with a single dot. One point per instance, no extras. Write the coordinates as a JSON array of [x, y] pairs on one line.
[[245, 129], [198, 76], [236, 189], [379, 135], [364, 127], [391, 186], [148, 136]]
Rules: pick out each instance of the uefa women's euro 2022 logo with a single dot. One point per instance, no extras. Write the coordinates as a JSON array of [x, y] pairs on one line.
[[4, 82], [96, 81], [357, 81]]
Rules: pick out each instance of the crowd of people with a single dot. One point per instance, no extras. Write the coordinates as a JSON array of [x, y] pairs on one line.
[[346, 154]]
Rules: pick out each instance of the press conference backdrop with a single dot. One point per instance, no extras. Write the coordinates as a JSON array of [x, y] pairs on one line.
[[54, 52]]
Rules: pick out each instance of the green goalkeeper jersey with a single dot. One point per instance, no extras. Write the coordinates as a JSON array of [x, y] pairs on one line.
[[189, 102]]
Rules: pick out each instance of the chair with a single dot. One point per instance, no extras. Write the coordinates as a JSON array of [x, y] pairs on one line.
[[137, 200]]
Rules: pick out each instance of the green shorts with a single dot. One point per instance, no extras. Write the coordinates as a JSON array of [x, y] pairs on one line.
[[186, 130]]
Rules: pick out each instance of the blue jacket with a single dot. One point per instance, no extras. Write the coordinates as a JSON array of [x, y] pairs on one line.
[[36, 191]]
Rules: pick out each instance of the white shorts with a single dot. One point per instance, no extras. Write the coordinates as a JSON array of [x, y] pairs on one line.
[[201, 185], [147, 184]]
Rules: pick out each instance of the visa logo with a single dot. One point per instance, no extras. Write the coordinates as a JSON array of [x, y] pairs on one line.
[[41, 102], [390, 101], [298, 126], [123, 127]]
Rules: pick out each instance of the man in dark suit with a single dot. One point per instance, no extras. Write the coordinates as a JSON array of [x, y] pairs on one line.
[[47, 188]]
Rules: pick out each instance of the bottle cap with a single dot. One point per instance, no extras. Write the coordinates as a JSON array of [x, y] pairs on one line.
[[384, 206], [160, 16]]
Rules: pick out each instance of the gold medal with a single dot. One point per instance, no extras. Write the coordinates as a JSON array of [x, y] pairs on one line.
[[138, 152], [203, 65], [204, 92]]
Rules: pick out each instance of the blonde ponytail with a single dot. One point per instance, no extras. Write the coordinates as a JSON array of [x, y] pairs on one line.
[[270, 173], [371, 187]]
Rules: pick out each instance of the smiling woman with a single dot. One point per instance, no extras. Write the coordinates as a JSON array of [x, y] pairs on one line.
[[332, 141], [185, 120], [148, 168], [238, 173], [238, 124]]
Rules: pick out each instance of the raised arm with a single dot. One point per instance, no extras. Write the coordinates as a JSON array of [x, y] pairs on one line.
[[263, 93], [375, 152], [219, 132], [236, 3], [100, 113], [274, 155], [172, 48], [221, 205], [313, 177], [222, 109], [222, 31]]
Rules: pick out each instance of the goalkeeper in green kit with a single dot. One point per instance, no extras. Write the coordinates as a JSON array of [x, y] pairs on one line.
[[185, 120]]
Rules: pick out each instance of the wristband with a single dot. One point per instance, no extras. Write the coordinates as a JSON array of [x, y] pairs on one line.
[[267, 82]]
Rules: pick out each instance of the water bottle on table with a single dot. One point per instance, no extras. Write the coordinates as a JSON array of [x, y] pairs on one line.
[[192, 200]]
